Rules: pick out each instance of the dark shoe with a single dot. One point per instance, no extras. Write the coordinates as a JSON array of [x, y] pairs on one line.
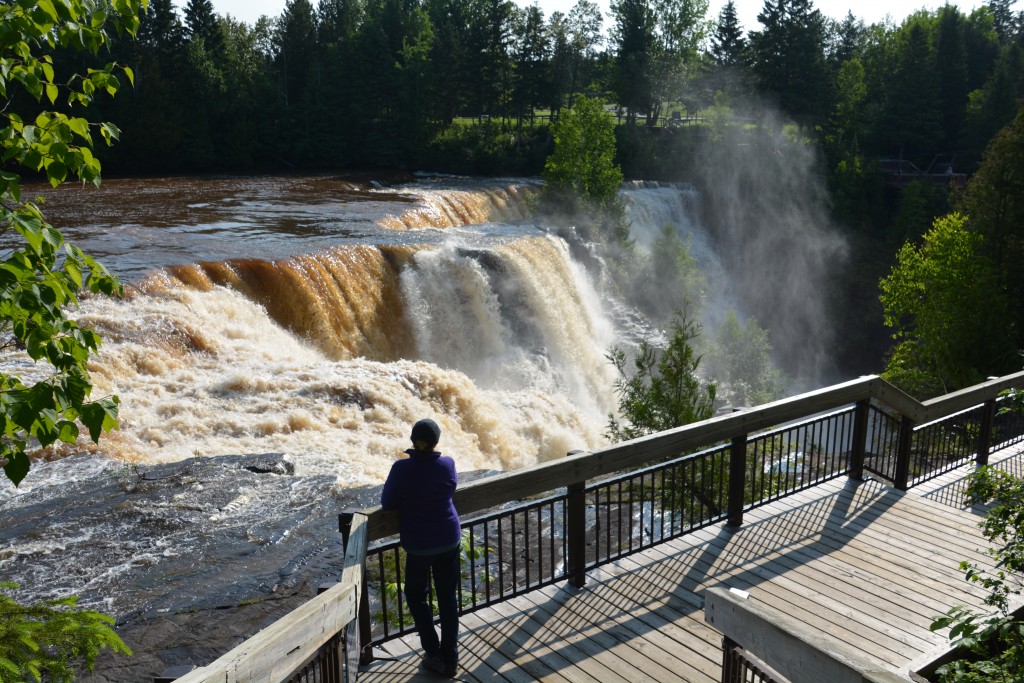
[[450, 670], [435, 663]]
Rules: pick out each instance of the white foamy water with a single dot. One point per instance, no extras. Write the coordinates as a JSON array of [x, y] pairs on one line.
[[209, 372]]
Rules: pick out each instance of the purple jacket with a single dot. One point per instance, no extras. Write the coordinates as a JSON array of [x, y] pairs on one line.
[[421, 489]]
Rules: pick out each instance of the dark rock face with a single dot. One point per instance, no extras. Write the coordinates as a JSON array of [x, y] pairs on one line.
[[191, 558]]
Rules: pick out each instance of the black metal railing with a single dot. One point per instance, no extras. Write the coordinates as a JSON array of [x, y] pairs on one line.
[[1007, 426], [327, 665], [514, 550], [944, 445], [504, 554], [882, 442], [628, 513], [739, 666]]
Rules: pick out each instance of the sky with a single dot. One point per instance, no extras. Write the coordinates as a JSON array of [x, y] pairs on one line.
[[869, 10]]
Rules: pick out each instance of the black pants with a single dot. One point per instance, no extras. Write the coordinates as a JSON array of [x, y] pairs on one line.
[[446, 570]]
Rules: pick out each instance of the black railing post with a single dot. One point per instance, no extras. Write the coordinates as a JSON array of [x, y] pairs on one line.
[[861, 414], [576, 533], [365, 628], [576, 530], [906, 440], [730, 672], [988, 416], [737, 479]]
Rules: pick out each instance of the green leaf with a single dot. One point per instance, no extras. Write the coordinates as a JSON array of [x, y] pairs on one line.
[[17, 467], [52, 92], [100, 416], [47, 7], [81, 128], [110, 132], [67, 431], [56, 173]]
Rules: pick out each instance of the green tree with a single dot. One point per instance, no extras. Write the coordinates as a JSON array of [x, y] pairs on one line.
[[912, 118], [201, 23], [48, 638], [531, 47], [741, 362], [788, 59], [951, 67], [681, 30], [634, 41], [583, 167], [994, 200], [663, 390], [296, 40], [946, 311], [42, 278], [727, 43]]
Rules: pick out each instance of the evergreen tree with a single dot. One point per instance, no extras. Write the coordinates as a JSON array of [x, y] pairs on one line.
[[726, 65], [789, 59], [846, 39], [1006, 24], [728, 44], [663, 391], [951, 71], [994, 105], [531, 50], [201, 23], [161, 29], [584, 24], [633, 36], [296, 45], [994, 201], [912, 119], [338, 21], [451, 55]]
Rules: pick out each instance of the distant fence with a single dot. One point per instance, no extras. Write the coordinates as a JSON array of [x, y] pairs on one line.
[[554, 521]]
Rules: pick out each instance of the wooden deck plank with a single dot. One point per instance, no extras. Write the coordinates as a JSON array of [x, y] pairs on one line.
[[620, 647], [810, 605], [867, 564]]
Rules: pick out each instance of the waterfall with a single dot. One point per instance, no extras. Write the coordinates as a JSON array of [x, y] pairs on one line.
[[329, 357], [775, 266]]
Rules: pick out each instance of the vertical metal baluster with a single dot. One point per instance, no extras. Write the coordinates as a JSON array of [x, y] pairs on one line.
[[383, 593]]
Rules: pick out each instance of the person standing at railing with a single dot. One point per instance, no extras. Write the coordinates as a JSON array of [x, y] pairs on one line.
[[420, 487]]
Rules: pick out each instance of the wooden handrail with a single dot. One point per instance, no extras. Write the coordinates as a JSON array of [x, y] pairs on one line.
[[796, 651], [548, 476], [277, 651]]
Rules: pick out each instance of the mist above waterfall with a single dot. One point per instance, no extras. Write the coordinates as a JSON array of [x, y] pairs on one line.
[[756, 220]]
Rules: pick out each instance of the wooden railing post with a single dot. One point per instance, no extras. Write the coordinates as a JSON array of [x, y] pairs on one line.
[[737, 479], [576, 532], [906, 440], [988, 416], [861, 415], [365, 627]]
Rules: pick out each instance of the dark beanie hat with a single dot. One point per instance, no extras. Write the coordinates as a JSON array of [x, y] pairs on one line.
[[427, 432]]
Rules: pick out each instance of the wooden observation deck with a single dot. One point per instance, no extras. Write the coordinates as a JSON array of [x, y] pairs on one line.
[[860, 562], [838, 512]]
